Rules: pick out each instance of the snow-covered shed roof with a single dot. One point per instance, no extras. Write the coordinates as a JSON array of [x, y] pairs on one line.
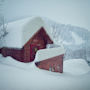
[[47, 53], [21, 31]]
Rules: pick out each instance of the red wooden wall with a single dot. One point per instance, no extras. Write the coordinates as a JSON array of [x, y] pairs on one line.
[[13, 52], [39, 39], [54, 64]]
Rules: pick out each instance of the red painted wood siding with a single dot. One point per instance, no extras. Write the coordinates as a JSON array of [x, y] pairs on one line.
[[54, 63], [13, 52], [39, 39]]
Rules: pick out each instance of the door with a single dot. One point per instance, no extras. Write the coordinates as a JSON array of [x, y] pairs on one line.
[[33, 50]]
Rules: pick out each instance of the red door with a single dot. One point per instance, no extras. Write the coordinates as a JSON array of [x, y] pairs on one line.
[[33, 50]]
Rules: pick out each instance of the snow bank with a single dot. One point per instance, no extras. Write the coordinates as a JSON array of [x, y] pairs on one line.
[[72, 66], [25, 76], [76, 66], [9, 61]]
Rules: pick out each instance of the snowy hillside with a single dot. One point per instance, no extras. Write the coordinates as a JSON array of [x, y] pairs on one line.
[[76, 40]]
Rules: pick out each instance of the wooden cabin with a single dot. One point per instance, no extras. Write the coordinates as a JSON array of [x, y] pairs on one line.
[[39, 38], [28, 43]]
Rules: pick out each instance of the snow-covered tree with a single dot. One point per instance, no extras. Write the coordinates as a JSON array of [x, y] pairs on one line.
[[3, 26]]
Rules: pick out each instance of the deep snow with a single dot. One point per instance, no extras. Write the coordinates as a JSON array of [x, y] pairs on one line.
[[16, 75]]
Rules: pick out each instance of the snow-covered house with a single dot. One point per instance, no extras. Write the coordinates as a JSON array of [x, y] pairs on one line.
[[28, 36], [25, 38]]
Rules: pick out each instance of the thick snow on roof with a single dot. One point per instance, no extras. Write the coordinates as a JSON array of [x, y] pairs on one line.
[[20, 31], [49, 53]]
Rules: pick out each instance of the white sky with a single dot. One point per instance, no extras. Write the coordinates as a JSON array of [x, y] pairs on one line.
[[75, 12]]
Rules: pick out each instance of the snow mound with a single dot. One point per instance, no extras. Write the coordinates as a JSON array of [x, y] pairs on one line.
[[9, 61], [76, 66], [72, 66]]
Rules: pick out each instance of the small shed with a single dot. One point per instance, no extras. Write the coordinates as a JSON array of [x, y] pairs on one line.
[[50, 59]]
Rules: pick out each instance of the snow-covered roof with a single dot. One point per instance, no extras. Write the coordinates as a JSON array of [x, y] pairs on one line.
[[49, 53], [21, 31]]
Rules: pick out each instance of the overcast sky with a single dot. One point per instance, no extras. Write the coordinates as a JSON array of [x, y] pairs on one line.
[[75, 12]]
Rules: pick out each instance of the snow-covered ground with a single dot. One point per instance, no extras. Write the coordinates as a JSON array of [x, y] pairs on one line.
[[16, 75]]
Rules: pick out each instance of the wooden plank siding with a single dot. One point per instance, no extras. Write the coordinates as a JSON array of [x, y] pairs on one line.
[[13, 52], [41, 39], [54, 64]]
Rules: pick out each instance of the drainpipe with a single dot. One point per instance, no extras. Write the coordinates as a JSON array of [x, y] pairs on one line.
[[0, 50]]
